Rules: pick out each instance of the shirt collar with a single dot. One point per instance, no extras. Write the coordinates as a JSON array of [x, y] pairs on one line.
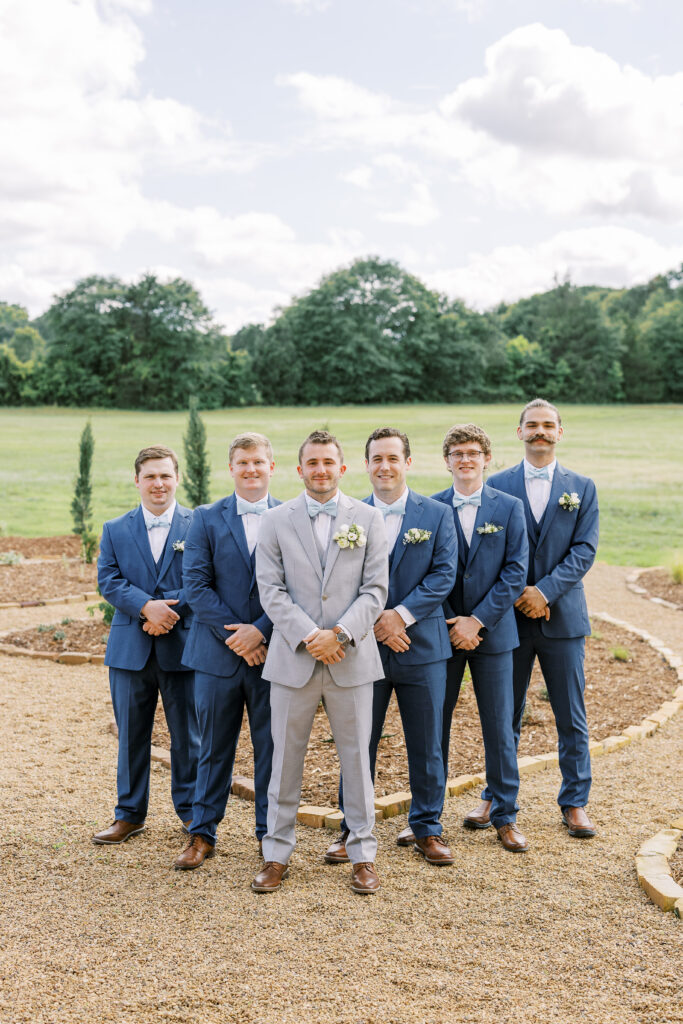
[[150, 516], [383, 504], [550, 467], [459, 494]]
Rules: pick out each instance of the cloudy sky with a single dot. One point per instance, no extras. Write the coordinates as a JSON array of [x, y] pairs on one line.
[[252, 146]]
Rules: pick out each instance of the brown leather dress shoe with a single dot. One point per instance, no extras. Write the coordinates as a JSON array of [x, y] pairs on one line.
[[512, 839], [434, 850], [336, 852], [406, 837], [579, 824], [479, 817], [270, 877], [118, 832], [364, 878], [194, 854]]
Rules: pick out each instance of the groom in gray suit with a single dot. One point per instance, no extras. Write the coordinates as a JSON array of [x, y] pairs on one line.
[[321, 568]]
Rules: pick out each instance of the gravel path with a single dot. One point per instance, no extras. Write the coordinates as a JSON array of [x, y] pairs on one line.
[[91, 933]]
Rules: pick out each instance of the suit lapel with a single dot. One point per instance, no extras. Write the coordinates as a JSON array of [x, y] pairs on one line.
[[301, 521], [485, 514], [414, 510], [177, 531], [236, 527], [343, 517], [559, 485], [136, 523]]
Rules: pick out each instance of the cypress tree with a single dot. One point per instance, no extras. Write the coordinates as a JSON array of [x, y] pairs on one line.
[[197, 470], [81, 505]]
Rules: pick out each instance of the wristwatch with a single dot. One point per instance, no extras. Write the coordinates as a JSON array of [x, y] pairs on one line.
[[342, 637]]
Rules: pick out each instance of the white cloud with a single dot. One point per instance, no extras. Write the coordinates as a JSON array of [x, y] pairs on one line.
[[611, 256]]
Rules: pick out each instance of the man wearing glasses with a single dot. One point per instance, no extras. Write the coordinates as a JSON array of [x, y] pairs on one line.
[[492, 568]]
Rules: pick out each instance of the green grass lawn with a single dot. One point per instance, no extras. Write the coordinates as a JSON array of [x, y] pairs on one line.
[[633, 453]]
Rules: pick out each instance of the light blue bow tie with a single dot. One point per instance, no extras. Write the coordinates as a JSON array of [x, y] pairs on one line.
[[531, 473], [397, 509], [474, 499], [315, 508], [256, 508], [163, 520]]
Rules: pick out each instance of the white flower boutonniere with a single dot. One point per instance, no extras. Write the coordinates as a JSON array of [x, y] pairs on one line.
[[489, 528], [352, 536], [569, 502], [415, 536], [178, 545]]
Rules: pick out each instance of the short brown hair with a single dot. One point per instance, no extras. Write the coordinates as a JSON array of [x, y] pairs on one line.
[[463, 432], [250, 439], [539, 403], [322, 437], [381, 433], [156, 451]]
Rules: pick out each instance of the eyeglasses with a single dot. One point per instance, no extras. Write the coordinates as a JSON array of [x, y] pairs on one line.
[[471, 456]]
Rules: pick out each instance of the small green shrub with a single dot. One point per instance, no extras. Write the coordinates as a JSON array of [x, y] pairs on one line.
[[11, 558], [676, 572], [44, 628], [595, 635], [59, 634], [543, 693], [66, 621], [621, 654], [526, 715]]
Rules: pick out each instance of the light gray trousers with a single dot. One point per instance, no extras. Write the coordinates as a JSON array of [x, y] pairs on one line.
[[349, 710]]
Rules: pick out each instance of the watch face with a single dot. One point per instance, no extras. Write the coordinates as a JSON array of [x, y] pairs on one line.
[[342, 637]]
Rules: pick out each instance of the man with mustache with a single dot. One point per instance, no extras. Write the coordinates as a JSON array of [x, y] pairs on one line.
[[561, 509]]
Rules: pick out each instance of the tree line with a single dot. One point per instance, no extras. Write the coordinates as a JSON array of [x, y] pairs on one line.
[[368, 333]]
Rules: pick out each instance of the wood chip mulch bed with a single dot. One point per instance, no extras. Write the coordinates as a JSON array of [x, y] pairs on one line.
[[64, 635], [38, 581], [658, 583], [618, 694], [67, 544]]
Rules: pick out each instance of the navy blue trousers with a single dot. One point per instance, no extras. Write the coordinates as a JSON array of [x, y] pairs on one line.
[[561, 660], [492, 682], [220, 705], [420, 692], [134, 696]]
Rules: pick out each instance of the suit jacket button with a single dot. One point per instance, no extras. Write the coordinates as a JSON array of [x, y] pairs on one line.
[[324, 597], [468, 575]]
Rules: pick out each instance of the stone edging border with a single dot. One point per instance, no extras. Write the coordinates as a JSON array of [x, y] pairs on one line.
[[634, 586], [653, 871], [399, 803], [63, 657], [88, 595]]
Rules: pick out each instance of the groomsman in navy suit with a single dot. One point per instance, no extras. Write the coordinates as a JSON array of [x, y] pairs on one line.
[[227, 642], [561, 511], [412, 636], [139, 571], [492, 567]]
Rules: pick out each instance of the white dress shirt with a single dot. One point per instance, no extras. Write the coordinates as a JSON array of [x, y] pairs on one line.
[[538, 491], [467, 513], [252, 526], [392, 528], [157, 536], [323, 521]]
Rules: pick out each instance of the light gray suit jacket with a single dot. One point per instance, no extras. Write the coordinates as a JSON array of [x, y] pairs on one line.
[[297, 594]]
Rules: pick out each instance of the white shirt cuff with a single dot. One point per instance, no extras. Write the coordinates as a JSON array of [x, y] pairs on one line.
[[405, 614]]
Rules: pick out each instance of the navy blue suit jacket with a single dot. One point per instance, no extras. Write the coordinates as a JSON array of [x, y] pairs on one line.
[[220, 584], [492, 573], [420, 577], [128, 578], [561, 549]]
